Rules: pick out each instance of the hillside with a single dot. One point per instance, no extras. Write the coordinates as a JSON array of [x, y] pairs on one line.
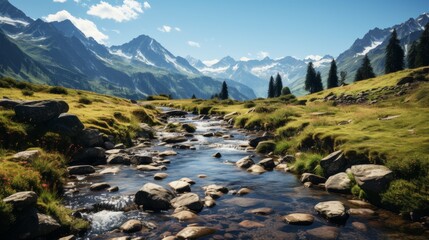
[[381, 120]]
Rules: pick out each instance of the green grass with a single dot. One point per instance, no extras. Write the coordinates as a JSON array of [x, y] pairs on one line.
[[320, 127]]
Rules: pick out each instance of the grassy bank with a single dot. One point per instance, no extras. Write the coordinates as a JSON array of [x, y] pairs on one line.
[[393, 130], [47, 174]]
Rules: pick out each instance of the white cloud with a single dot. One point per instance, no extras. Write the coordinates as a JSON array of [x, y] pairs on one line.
[[245, 59], [194, 44], [146, 5], [76, 1], [87, 27], [60, 1], [263, 54], [116, 31], [167, 29], [210, 63], [129, 10]]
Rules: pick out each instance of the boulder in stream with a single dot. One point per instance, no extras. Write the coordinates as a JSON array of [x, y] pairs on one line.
[[195, 232], [339, 182], [371, 177], [334, 211], [189, 201], [154, 197], [245, 162], [40, 111]]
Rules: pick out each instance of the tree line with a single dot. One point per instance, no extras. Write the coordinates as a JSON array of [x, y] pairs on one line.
[[418, 56]]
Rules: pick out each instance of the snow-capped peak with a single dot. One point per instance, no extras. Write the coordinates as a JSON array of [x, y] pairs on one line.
[[210, 63], [313, 58]]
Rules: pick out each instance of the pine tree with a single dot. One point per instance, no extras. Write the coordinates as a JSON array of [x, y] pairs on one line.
[[343, 75], [271, 88], [394, 55], [310, 78], [365, 71], [278, 86], [412, 54], [332, 77], [318, 86], [422, 58], [224, 91], [193, 96]]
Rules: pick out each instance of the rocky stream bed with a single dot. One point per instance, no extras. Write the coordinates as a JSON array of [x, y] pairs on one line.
[[191, 186]]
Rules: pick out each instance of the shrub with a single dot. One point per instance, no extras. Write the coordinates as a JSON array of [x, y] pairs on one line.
[[286, 91], [58, 90], [121, 117], [266, 147], [204, 109], [403, 196], [262, 109], [6, 217], [27, 92], [52, 170], [282, 147], [308, 163], [85, 100], [249, 104], [190, 128]]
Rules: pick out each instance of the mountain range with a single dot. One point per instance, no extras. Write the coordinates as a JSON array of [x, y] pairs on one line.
[[58, 53], [256, 73]]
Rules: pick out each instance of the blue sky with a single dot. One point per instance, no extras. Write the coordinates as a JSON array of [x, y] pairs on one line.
[[212, 29]]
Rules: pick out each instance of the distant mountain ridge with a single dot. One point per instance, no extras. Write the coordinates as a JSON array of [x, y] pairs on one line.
[[256, 73], [58, 53]]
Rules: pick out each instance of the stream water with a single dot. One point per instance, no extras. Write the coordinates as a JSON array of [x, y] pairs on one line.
[[278, 190]]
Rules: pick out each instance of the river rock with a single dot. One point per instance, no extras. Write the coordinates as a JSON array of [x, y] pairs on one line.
[[287, 159], [209, 202], [334, 163], [150, 168], [361, 211], [99, 186], [184, 215], [29, 155], [175, 113], [167, 153], [195, 232], [299, 219], [244, 191], [160, 176], [267, 163], [190, 201], [313, 178], [21, 200], [372, 178], [334, 211], [339, 182], [258, 169], [110, 170], [141, 159], [361, 203], [360, 226], [174, 139], [119, 158], [255, 141], [261, 211], [81, 170], [113, 189], [91, 156], [245, 162], [90, 138], [40, 111], [202, 176], [9, 104], [180, 186], [217, 155], [66, 124], [47, 225], [250, 224], [153, 197], [131, 226], [323, 233]]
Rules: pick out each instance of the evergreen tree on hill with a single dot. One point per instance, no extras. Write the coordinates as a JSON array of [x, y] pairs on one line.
[[422, 58], [365, 71], [394, 55], [224, 91], [278, 86], [332, 77], [412, 54], [318, 86], [271, 93], [310, 78]]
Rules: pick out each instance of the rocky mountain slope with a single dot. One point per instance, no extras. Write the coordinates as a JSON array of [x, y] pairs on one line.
[[58, 53]]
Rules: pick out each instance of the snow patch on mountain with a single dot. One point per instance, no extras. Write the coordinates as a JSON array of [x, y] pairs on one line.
[[373, 45], [261, 69], [120, 54], [143, 59], [214, 70], [13, 22], [210, 63]]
